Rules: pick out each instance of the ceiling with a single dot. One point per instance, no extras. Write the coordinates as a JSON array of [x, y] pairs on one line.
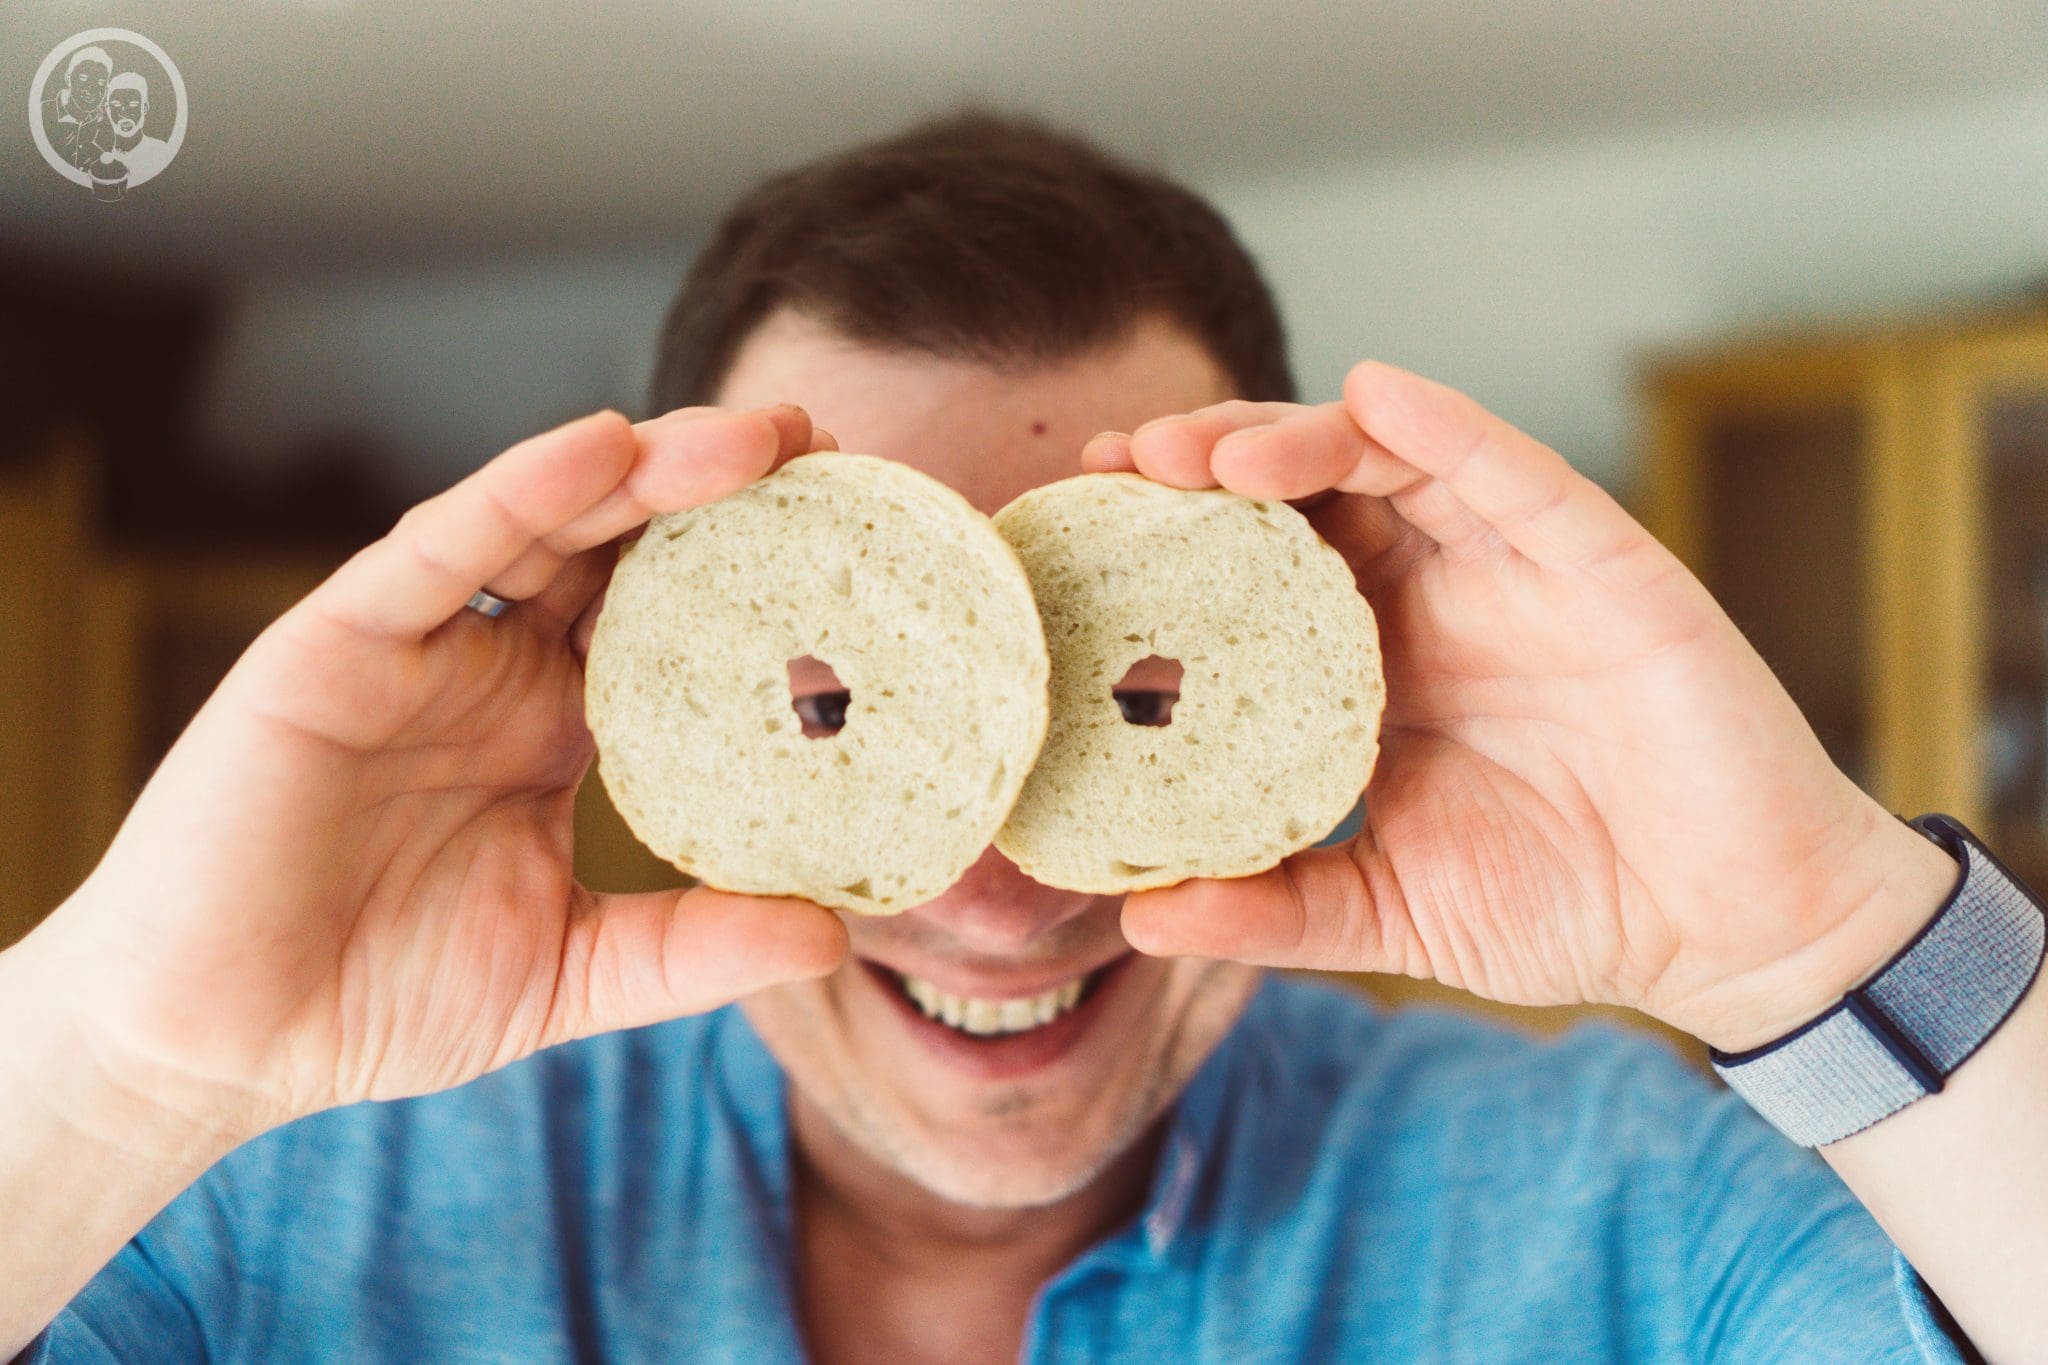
[[347, 131]]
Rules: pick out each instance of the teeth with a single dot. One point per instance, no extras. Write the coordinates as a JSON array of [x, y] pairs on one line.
[[974, 1015]]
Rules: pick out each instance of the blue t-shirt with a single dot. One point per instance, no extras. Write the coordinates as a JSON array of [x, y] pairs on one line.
[[1337, 1183]]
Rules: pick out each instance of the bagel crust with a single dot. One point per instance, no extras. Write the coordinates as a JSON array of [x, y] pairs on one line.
[[1276, 729], [922, 611]]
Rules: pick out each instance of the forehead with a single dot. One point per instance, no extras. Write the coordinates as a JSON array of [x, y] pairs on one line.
[[990, 431]]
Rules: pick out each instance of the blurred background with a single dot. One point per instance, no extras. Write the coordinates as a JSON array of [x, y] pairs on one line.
[[1776, 273]]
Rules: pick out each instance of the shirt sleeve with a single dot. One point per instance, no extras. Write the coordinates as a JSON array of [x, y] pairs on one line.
[[167, 1293], [129, 1314], [1934, 1330], [1783, 1263]]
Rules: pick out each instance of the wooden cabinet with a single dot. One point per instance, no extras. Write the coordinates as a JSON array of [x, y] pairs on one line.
[[1872, 509], [110, 648]]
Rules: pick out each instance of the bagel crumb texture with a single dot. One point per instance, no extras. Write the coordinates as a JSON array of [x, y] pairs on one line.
[[1276, 730], [920, 609]]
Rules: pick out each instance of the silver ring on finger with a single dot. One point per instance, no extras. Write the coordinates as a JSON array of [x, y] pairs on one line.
[[486, 604]]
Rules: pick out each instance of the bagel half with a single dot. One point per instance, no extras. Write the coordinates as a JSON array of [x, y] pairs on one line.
[[924, 614], [1276, 728]]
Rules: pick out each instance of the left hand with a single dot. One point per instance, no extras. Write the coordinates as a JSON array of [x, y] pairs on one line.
[[1590, 787]]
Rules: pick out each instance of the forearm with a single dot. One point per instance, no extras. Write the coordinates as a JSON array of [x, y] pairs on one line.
[[1960, 1182], [88, 1152]]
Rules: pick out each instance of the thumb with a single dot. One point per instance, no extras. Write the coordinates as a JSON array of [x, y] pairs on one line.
[[1316, 909], [640, 958]]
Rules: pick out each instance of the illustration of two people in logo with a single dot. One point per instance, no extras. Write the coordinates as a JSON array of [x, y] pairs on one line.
[[95, 121]]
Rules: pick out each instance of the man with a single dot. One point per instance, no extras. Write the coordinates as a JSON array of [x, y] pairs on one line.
[[350, 880], [127, 107], [73, 116]]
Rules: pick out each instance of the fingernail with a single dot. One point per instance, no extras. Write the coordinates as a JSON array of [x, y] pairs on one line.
[[1120, 435]]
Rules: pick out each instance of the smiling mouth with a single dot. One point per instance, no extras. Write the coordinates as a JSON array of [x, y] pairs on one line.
[[982, 1018]]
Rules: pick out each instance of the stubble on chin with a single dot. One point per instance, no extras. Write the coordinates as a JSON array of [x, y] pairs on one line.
[[1204, 1004]]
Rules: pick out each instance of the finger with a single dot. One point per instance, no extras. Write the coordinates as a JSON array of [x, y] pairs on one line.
[[1175, 450], [1434, 510], [650, 487], [573, 600], [1424, 503], [640, 958], [1314, 910], [1307, 451], [586, 621], [1379, 544], [1363, 466], [564, 491], [1108, 452], [1304, 456], [1521, 488], [557, 608]]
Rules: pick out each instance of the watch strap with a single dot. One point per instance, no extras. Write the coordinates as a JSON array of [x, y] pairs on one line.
[[1899, 1035]]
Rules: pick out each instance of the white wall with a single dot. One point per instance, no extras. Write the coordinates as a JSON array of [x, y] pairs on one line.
[[1534, 278]]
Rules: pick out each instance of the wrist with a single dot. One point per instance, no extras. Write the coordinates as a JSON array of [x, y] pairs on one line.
[[62, 1062], [87, 1155], [1897, 1037], [1908, 878]]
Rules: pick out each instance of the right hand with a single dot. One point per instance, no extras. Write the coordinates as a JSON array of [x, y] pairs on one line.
[[350, 877]]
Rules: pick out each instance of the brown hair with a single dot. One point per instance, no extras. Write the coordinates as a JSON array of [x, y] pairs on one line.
[[975, 236]]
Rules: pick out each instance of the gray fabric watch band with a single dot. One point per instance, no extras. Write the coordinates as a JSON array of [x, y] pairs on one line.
[[1896, 1037]]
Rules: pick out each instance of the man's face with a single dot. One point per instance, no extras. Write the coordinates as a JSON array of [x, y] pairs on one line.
[[89, 82], [1022, 1118], [125, 110]]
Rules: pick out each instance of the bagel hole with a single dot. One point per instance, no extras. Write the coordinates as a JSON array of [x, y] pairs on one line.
[[1147, 691], [817, 696]]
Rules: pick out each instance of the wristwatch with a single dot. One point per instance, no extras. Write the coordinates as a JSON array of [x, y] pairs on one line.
[[1896, 1037]]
